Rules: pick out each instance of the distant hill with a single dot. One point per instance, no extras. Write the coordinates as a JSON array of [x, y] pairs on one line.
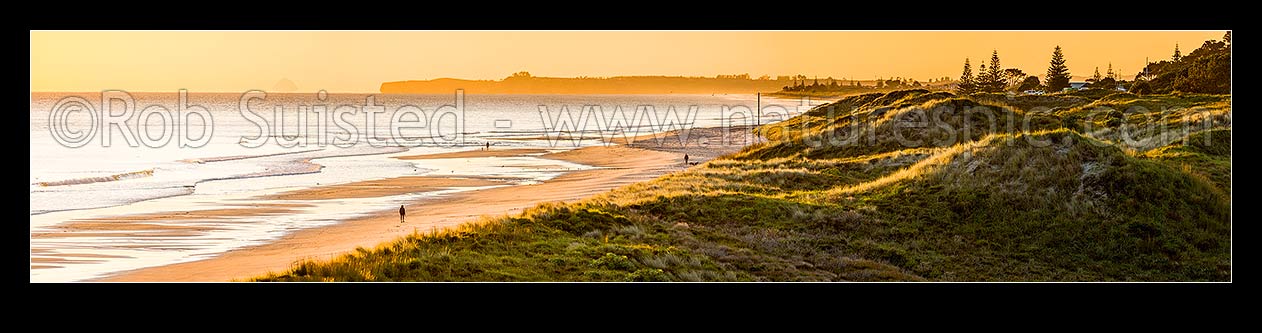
[[523, 83]]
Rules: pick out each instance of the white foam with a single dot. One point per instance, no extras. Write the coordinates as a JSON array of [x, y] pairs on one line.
[[223, 174]]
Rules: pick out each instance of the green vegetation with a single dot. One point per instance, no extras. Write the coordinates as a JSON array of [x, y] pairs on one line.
[[1072, 196], [1205, 154], [992, 80], [966, 85], [1206, 70], [1057, 77]]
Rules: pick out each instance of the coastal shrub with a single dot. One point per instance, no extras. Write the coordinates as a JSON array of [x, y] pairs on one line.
[[648, 275], [1061, 200], [614, 261]]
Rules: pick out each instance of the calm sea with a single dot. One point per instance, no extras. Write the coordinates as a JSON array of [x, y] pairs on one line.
[[203, 151]]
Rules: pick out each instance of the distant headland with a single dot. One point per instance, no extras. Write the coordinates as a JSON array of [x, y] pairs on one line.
[[524, 83]]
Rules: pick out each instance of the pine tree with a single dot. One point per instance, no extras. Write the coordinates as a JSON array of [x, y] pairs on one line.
[[979, 81], [1057, 77], [966, 80], [1110, 73], [994, 77], [1177, 56], [1096, 77]]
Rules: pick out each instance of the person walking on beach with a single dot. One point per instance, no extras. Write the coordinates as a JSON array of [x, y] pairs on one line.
[[402, 214], [488, 146], [685, 159]]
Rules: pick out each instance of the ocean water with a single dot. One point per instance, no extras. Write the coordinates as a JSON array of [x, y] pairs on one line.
[[311, 140]]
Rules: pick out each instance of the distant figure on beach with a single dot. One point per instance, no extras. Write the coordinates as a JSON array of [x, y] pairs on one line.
[[488, 146], [402, 214], [685, 159]]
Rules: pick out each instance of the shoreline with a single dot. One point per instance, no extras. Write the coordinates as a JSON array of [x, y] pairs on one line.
[[700, 144], [617, 166]]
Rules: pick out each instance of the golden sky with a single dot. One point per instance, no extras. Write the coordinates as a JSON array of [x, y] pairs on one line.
[[358, 61]]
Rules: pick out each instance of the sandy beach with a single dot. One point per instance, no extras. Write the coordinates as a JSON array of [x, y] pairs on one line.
[[700, 144], [739, 156], [383, 187], [478, 153], [152, 225], [618, 166]]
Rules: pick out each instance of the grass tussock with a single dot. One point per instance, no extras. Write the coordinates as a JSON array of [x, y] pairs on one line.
[[1056, 200]]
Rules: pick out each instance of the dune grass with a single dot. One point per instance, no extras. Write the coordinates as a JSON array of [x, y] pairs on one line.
[[1044, 202]]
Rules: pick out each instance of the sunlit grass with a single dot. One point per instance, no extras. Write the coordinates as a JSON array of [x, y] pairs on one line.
[[1048, 202]]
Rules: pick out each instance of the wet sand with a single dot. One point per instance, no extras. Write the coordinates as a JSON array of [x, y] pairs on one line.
[[619, 165], [152, 224], [700, 144], [477, 153], [384, 187]]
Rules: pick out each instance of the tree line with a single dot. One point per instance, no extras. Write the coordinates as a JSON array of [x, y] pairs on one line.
[[833, 85], [1206, 70], [993, 79], [828, 85]]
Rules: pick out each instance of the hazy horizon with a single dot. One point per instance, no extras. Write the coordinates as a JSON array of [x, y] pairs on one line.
[[630, 156], [359, 61]]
